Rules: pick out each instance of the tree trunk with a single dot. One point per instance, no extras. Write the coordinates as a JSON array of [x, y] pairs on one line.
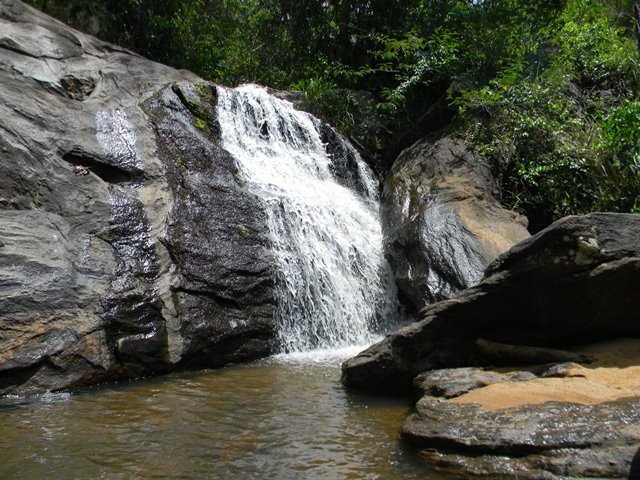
[[636, 19], [343, 25]]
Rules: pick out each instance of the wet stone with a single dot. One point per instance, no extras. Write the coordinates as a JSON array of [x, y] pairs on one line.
[[548, 441], [442, 219], [453, 382], [115, 209]]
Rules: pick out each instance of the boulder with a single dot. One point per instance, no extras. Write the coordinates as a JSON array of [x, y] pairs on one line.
[[128, 243], [573, 283], [551, 441], [563, 421], [442, 219], [453, 382], [511, 384]]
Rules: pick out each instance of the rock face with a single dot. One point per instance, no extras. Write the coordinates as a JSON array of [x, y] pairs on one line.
[[572, 283], [564, 421], [550, 441], [525, 415], [442, 220], [128, 244], [453, 382]]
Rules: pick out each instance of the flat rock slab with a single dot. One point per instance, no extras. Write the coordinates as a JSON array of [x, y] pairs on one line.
[[453, 382], [546, 441], [560, 421]]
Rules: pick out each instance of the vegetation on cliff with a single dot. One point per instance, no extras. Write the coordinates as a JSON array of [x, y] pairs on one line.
[[547, 90]]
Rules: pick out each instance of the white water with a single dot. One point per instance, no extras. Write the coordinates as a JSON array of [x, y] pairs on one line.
[[333, 284]]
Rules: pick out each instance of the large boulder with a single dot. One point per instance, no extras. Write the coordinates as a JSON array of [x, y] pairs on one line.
[[572, 283], [128, 243], [516, 379], [550, 422], [551, 441], [442, 219]]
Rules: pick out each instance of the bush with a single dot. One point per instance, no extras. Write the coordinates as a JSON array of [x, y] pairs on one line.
[[619, 159], [593, 51], [561, 119]]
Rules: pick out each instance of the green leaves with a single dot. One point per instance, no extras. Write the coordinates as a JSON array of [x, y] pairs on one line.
[[548, 89], [593, 50], [561, 114], [621, 132], [619, 156]]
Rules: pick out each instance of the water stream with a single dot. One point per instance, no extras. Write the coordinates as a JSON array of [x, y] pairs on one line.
[[334, 287], [285, 418]]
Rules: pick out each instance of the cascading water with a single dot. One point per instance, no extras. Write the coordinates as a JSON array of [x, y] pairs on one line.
[[333, 284]]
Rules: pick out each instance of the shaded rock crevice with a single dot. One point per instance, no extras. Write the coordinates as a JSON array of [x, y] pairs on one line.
[[84, 163], [78, 86]]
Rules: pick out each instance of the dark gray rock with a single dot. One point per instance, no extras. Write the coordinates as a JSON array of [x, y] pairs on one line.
[[560, 370], [453, 382], [51, 280], [572, 283], [344, 164], [216, 234], [442, 220], [502, 354], [547, 441], [128, 246]]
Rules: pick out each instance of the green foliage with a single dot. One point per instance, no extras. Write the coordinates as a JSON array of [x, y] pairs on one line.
[[557, 117], [593, 51], [201, 124], [620, 157], [244, 231], [416, 62], [181, 163], [621, 132], [352, 112], [536, 132], [547, 89]]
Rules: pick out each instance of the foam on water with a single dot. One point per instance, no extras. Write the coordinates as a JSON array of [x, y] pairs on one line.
[[322, 356]]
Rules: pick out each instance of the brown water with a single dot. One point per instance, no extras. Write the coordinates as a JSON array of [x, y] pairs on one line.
[[273, 419]]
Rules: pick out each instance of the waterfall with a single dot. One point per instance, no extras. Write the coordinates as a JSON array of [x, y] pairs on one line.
[[333, 285]]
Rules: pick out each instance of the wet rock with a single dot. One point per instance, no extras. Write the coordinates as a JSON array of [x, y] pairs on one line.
[[547, 441], [442, 220], [453, 382], [344, 164], [51, 279], [551, 422], [128, 244], [572, 283], [216, 235], [561, 370]]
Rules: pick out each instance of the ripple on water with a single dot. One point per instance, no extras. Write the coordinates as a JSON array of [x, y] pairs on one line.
[[281, 418]]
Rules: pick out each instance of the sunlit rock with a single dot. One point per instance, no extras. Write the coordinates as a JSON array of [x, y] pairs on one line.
[[442, 220]]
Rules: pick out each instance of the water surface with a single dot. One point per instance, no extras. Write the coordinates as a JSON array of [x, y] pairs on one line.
[[280, 418]]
